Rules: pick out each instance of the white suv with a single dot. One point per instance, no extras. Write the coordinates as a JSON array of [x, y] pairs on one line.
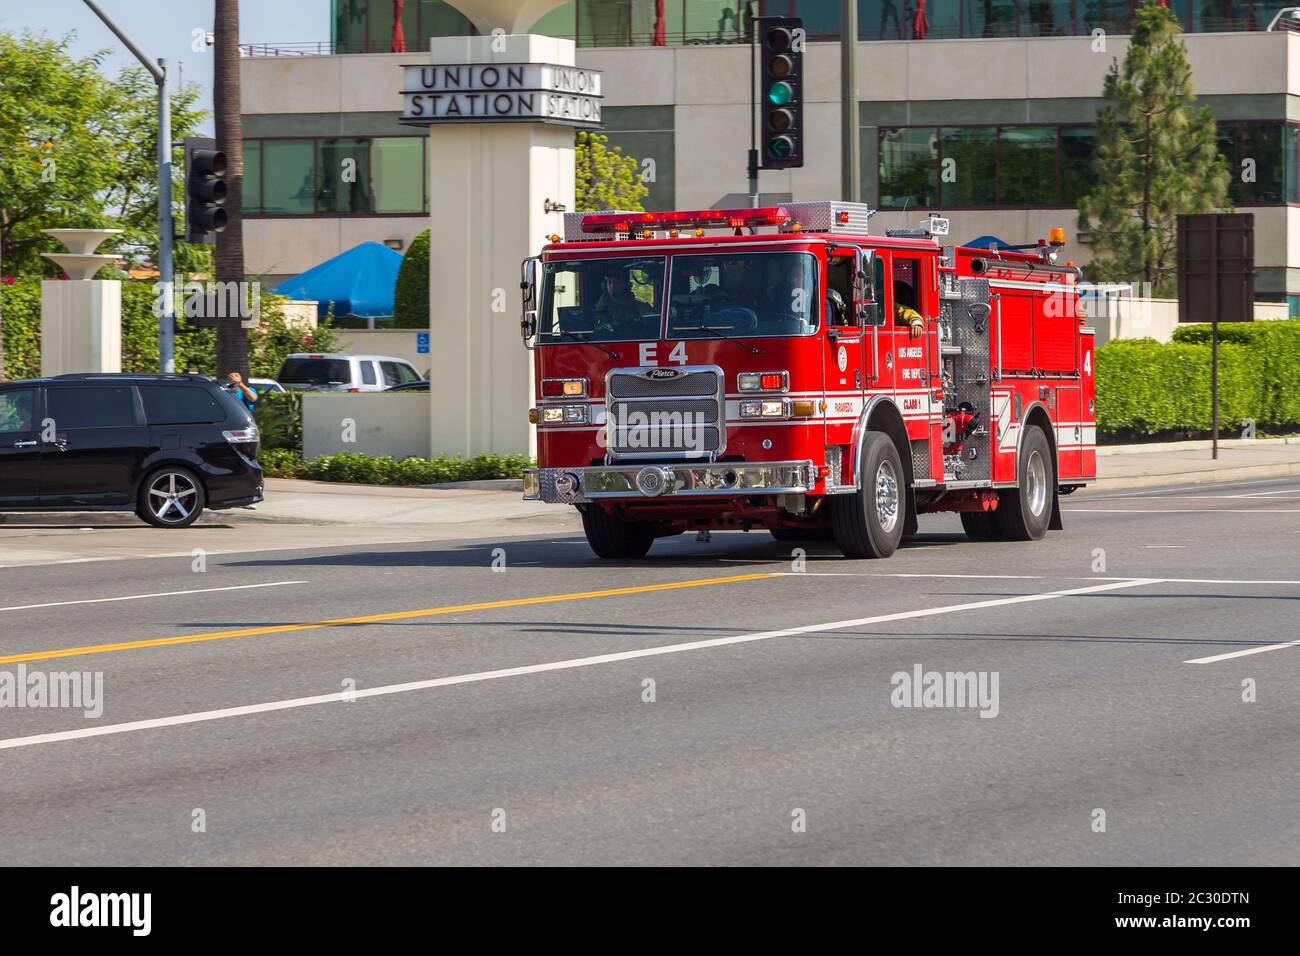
[[336, 372]]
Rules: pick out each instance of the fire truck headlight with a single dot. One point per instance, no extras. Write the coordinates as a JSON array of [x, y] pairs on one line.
[[763, 381], [553, 415], [534, 416], [773, 409], [575, 413], [751, 409]]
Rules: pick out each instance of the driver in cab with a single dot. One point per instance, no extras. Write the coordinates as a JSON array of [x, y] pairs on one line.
[[617, 305]]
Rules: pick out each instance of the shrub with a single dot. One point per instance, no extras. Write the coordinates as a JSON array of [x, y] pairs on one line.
[[279, 419], [1150, 387], [366, 469], [411, 297]]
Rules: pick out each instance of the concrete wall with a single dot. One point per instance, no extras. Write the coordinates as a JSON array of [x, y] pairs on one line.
[[382, 423], [399, 343]]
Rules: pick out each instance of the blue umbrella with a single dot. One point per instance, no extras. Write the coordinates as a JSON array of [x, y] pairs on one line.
[[360, 281]]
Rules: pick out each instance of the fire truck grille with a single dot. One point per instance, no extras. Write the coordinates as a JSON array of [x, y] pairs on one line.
[[665, 413], [633, 385]]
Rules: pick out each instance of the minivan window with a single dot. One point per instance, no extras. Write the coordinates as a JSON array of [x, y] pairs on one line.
[[319, 371], [102, 406], [183, 405], [397, 373], [368, 374], [17, 411]]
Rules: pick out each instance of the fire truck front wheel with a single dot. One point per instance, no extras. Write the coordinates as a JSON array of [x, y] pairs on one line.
[[612, 537], [869, 523], [1024, 512]]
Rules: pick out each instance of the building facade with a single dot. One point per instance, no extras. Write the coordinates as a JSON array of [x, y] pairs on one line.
[[986, 117]]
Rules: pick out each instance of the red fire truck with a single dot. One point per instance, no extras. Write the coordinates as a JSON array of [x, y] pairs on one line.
[[781, 368]]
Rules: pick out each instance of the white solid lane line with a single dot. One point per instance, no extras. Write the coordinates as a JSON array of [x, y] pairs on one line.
[[1176, 511], [160, 594], [572, 663], [1246, 653]]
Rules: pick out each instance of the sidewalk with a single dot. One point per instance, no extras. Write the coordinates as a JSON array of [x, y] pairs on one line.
[[1118, 467]]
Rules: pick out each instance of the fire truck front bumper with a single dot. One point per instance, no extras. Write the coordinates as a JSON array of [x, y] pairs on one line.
[[728, 479]]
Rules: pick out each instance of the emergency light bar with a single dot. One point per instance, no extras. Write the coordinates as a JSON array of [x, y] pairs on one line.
[[693, 219], [818, 216]]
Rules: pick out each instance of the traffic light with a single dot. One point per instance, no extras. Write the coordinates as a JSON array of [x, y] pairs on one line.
[[205, 190], [781, 89]]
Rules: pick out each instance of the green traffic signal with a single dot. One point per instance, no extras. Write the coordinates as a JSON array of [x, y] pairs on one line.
[[780, 93]]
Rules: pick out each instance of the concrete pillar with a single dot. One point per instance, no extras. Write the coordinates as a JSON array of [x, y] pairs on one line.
[[81, 326], [488, 184]]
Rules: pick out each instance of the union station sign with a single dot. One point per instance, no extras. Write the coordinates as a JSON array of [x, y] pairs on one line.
[[433, 94]]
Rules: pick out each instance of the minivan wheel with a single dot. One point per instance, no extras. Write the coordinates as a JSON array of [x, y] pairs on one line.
[[171, 498]]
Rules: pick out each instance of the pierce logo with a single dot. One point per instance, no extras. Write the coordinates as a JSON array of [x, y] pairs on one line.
[[661, 373]]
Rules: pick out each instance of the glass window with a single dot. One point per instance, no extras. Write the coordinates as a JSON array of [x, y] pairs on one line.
[[349, 26], [1261, 171], [1027, 165], [315, 371], [439, 19], [398, 373], [1078, 143], [99, 406], [908, 167], [968, 166], [397, 173], [343, 170], [288, 177], [17, 411], [562, 22], [368, 374], [885, 19], [252, 175], [180, 406], [735, 295], [601, 300]]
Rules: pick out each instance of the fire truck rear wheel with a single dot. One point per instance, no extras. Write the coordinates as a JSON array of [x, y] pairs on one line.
[[869, 523], [612, 537], [1024, 512], [980, 526]]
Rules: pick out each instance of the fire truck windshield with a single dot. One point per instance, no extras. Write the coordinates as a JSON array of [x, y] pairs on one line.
[[742, 294], [601, 300]]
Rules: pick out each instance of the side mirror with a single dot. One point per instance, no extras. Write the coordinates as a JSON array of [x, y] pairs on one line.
[[528, 314], [870, 313]]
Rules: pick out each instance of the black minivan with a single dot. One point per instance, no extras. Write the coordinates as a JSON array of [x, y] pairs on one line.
[[167, 446]]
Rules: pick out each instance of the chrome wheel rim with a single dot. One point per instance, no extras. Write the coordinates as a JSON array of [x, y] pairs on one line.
[[172, 497], [886, 496], [1036, 483]]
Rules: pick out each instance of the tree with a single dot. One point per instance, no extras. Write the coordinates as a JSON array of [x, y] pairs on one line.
[[78, 149], [232, 339], [1156, 158], [606, 179], [411, 297]]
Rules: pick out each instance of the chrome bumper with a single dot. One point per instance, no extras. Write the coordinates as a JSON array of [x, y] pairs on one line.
[[576, 485]]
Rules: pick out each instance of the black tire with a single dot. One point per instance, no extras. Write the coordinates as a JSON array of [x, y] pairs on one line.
[[869, 523], [801, 534], [1025, 511], [980, 526], [171, 497], [612, 537]]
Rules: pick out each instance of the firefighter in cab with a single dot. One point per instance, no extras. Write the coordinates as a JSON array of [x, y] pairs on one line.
[[905, 308]]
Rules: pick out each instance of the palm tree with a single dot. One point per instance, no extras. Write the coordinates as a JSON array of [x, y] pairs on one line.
[[232, 338]]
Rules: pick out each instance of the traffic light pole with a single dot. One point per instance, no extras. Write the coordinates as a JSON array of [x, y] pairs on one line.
[[158, 69], [753, 108], [850, 154]]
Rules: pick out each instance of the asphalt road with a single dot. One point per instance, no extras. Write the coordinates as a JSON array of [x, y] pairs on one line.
[[718, 703]]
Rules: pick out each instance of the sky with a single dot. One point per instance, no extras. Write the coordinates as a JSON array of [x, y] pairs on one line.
[[165, 28]]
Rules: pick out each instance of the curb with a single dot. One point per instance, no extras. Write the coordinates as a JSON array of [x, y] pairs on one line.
[[1233, 473], [1157, 447]]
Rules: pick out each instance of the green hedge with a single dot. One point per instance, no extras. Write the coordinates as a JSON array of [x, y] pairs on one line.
[[1148, 387], [364, 469]]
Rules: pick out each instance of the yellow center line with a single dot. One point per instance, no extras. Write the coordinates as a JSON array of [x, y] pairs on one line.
[[375, 618]]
